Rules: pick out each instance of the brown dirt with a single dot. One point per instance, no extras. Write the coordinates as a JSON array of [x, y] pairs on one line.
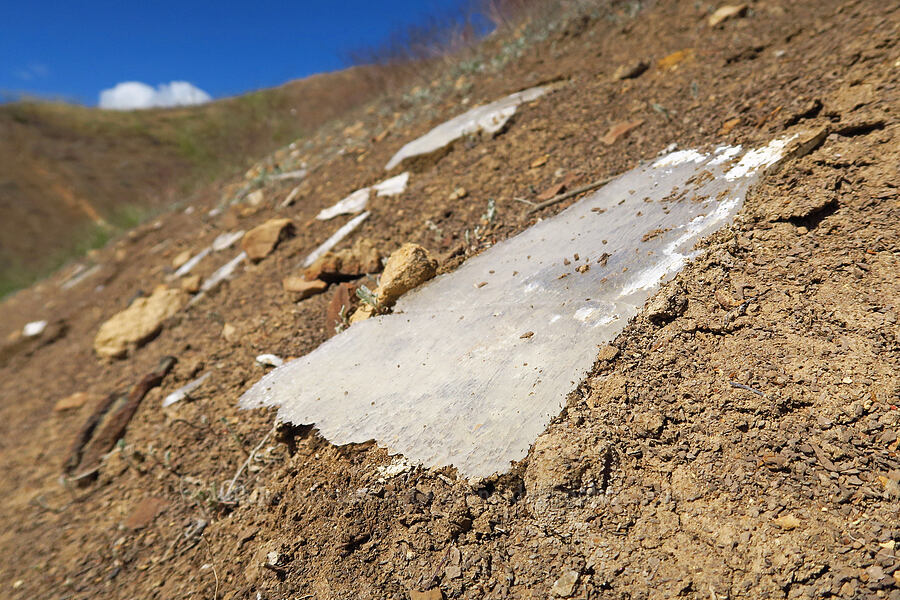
[[741, 442]]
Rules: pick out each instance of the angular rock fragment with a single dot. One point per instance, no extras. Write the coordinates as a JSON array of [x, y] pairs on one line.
[[362, 258], [138, 323], [407, 268], [729, 11], [76, 400], [260, 241], [631, 70], [303, 288]]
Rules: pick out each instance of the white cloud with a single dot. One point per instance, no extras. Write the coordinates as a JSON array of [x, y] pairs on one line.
[[130, 95]]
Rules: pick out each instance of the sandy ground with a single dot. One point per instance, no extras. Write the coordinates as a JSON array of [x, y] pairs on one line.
[[737, 440]]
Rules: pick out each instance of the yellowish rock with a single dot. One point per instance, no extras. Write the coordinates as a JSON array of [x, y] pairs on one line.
[[303, 288], [729, 11], [191, 284], [408, 267], [76, 400], [230, 333], [138, 323], [180, 259]]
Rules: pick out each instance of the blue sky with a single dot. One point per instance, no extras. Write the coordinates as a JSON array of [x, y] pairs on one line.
[[73, 50]]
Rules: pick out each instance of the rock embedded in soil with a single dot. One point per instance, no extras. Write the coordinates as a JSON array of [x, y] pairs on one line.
[[260, 241], [76, 400], [302, 288], [180, 259], [631, 70], [191, 284], [138, 323], [564, 587], [729, 11], [489, 119], [408, 267], [351, 263]]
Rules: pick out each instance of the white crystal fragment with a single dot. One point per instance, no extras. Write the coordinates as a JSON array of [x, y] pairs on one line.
[[221, 274], [357, 201], [184, 391], [269, 360], [191, 263], [490, 118], [226, 240], [393, 186], [34, 329], [335, 239], [450, 378], [354, 203]]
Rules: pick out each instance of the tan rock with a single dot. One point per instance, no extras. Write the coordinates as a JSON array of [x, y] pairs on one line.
[[432, 594], [302, 287], [230, 333], [76, 400], [180, 259], [138, 323], [260, 241], [362, 313], [631, 70], [191, 284], [729, 11], [458, 194], [408, 267], [362, 258]]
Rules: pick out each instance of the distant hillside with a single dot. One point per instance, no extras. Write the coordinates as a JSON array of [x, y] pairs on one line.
[[72, 176]]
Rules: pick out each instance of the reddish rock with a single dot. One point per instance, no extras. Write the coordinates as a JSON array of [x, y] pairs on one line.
[[339, 308]]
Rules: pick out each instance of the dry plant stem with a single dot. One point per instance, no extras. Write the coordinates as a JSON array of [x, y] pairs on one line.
[[246, 463], [567, 195], [215, 573]]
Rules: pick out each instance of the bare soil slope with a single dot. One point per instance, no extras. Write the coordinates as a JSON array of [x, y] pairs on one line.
[[70, 176], [738, 440]]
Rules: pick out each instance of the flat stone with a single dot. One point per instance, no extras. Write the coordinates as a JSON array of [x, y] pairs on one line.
[[260, 241], [631, 70], [362, 258], [303, 288], [729, 11], [432, 594], [76, 400], [564, 587], [138, 323]]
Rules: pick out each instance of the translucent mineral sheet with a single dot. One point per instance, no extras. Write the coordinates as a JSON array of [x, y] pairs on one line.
[[489, 118], [471, 367]]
